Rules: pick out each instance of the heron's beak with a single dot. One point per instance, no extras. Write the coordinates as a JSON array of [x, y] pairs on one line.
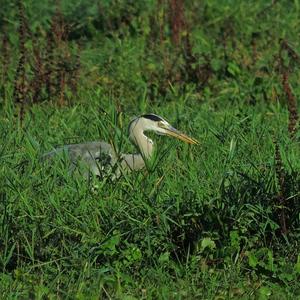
[[171, 131]]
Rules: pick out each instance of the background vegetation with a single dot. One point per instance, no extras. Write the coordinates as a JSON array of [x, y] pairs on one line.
[[216, 221]]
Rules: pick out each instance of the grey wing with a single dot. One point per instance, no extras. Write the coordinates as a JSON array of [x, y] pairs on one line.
[[95, 157]]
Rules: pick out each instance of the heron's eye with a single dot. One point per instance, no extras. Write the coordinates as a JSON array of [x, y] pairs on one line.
[[161, 124]]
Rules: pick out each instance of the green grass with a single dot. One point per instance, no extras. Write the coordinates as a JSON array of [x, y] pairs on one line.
[[199, 222]]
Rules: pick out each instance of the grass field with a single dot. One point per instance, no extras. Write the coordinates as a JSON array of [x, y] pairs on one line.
[[220, 220]]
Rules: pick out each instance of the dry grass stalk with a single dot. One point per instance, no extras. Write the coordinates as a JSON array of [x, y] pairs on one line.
[[292, 104], [62, 68], [39, 74], [177, 20], [49, 61], [62, 83], [5, 56], [291, 99], [75, 71], [20, 83]]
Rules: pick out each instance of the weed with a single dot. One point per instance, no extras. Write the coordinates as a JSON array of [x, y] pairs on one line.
[[291, 100]]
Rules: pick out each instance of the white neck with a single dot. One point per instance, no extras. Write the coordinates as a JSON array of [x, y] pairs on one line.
[[137, 161], [144, 144]]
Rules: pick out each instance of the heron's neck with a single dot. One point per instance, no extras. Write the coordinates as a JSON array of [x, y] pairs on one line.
[[144, 144]]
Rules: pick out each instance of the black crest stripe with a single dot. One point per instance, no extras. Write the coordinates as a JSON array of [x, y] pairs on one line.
[[152, 117]]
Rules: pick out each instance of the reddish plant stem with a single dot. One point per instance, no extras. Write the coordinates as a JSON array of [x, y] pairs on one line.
[[292, 104], [177, 20]]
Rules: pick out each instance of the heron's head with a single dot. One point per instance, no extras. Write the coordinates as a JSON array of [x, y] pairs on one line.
[[152, 122]]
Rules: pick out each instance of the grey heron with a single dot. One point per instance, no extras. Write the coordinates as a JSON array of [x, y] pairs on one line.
[[100, 158]]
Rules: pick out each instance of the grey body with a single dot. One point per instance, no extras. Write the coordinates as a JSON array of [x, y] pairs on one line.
[[101, 159], [91, 156], [98, 158]]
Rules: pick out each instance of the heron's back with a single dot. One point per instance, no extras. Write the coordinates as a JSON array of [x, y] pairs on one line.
[[96, 157]]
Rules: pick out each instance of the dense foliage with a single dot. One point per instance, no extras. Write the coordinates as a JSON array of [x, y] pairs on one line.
[[215, 221]]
